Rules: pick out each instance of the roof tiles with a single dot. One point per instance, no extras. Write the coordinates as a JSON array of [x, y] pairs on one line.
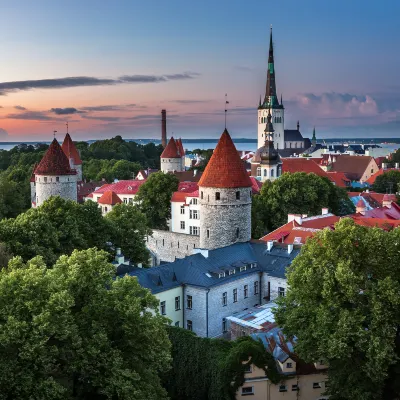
[[110, 198], [70, 150], [171, 150]]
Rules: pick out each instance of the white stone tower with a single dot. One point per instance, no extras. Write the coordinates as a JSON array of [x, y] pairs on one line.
[[54, 176], [171, 158], [271, 103], [225, 198], [73, 156]]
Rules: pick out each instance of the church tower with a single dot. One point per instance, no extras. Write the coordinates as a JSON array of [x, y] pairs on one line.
[[225, 198], [271, 102], [314, 138]]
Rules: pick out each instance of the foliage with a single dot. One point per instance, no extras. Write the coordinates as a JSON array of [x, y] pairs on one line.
[[154, 198], [297, 193], [128, 231], [388, 180], [5, 256], [205, 158], [75, 332], [212, 369], [96, 170], [343, 307]]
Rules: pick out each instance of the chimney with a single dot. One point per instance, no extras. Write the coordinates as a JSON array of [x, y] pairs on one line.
[[324, 211], [289, 248], [164, 128], [270, 245], [295, 217]]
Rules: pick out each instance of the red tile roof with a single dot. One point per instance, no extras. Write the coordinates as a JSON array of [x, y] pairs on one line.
[[225, 168], [372, 178], [353, 166], [185, 189], [302, 164], [110, 198], [54, 162], [255, 185], [339, 178], [180, 147], [171, 150], [70, 150], [121, 187]]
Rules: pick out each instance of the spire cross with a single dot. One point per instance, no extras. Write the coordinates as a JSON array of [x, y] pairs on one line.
[[226, 102]]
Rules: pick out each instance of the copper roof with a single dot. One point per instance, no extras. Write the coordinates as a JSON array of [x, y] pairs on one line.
[[70, 150], [225, 168]]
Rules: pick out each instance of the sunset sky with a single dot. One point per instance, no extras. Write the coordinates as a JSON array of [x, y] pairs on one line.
[[109, 67]]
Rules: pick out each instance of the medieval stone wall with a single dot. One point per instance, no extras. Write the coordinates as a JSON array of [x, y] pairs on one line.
[[167, 246], [224, 221], [47, 186], [171, 164]]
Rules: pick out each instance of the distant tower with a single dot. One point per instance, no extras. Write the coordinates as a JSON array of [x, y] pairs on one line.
[[54, 176], [179, 144], [225, 198], [314, 138], [171, 157], [164, 128], [271, 102], [73, 156], [266, 163]]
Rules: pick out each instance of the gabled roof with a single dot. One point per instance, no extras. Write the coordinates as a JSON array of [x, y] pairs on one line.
[[225, 168], [293, 135], [353, 166], [121, 187], [302, 164], [339, 178], [70, 150], [110, 198], [171, 150], [255, 185], [54, 162]]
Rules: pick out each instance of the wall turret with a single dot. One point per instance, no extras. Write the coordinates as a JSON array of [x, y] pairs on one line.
[[171, 158], [73, 156]]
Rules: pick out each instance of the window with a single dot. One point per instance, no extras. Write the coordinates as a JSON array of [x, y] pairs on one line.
[[237, 195], [57, 179], [208, 234], [177, 303], [193, 214], [201, 195], [189, 325], [193, 201], [295, 388], [248, 390], [189, 302], [272, 173], [258, 171], [224, 325], [194, 230], [224, 298], [246, 291], [105, 209], [177, 324], [256, 287], [235, 296], [243, 268], [282, 388], [248, 369], [289, 365], [130, 201], [125, 200], [182, 209], [316, 385], [281, 292], [162, 306], [265, 172], [45, 178], [232, 272], [217, 196], [237, 233], [221, 275], [182, 224]]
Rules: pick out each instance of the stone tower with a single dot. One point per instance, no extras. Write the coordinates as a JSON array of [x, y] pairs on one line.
[[54, 176], [271, 103], [266, 163], [171, 157], [73, 156], [225, 198]]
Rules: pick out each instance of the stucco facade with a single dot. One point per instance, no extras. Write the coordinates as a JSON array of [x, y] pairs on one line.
[[171, 305], [46, 186], [185, 216]]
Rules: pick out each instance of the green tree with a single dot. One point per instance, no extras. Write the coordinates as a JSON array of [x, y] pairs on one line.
[[128, 231], [387, 181], [343, 307], [75, 332], [213, 369], [154, 198]]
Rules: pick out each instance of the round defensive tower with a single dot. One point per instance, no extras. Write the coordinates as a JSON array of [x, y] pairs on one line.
[[171, 157], [54, 176], [225, 198]]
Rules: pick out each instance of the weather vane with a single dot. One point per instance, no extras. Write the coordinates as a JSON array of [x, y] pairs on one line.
[[54, 134], [67, 126], [226, 111]]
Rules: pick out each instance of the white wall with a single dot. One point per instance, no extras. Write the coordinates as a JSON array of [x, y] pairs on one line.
[[177, 217]]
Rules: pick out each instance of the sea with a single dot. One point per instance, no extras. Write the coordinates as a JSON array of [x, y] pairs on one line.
[[391, 144]]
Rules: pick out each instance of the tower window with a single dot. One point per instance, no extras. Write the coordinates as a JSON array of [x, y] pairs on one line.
[[237, 233], [217, 196], [202, 195], [238, 195], [45, 178], [265, 172], [57, 179], [208, 233]]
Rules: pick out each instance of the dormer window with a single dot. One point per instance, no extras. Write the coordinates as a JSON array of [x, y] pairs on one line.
[[252, 265], [221, 275], [243, 268], [232, 272]]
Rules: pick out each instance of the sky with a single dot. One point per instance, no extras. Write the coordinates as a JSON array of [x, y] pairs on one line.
[[108, 68]]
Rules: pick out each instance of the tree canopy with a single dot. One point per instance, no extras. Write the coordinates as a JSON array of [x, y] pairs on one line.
[[343, 307], [76, 332], [154, 198], [297, 193], [388, 181]]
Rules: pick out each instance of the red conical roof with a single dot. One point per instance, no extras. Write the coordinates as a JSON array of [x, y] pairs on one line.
[[70, 150], [171, 150], [109, 198], [225, 168], [180, 147], [54, 162]]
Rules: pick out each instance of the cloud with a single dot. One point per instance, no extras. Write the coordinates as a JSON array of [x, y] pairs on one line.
[[20, 108], [32, 116], [65, 111], [3, 133], [79, 81], [99, 118], [121, 107]]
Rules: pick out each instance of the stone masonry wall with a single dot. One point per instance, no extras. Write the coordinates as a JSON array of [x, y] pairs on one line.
[[65, 188], [171, 164], [167, 246], [221, 218]]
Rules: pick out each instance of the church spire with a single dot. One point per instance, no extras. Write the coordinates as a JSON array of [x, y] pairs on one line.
[[314, 138], [271, 98]]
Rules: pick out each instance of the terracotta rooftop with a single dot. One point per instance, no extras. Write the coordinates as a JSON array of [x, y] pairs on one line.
[[353, 166], [54, 162], [302, 164], [70, 150], [110, 198], [121, 187], [171, 150], [179, 145], [339, 178], [185, 189], [225, 168]]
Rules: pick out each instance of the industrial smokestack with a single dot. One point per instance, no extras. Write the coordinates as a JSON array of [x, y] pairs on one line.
[[163, 128]]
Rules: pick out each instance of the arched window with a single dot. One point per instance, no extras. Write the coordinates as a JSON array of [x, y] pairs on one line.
[[272, 172], [265, 172], [258, 171]]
